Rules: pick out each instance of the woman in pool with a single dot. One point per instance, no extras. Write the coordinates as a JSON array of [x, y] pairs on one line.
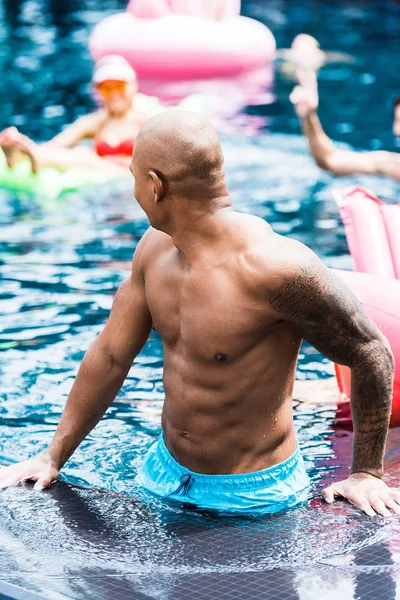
[[112, 128]]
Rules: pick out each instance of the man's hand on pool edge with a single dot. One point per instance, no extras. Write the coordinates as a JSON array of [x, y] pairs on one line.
[[366, 491], [41, 469]]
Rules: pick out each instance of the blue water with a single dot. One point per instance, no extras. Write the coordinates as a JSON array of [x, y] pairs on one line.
[[61, 262]]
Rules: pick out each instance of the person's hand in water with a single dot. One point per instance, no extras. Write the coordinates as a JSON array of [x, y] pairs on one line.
[[6, 144], [13, 141], [305, 95], [366, 491], [41, 469]]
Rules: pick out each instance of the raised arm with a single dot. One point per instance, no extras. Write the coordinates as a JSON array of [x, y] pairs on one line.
[[100, 377], [323, 311], [339, 162], [83, 128]]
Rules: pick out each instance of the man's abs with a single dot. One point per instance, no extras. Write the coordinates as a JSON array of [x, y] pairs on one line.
[[222, 417]]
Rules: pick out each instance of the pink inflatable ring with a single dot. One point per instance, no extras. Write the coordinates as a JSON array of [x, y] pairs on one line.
[[179, 46]]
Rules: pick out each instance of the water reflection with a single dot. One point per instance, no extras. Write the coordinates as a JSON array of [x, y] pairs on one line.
[[150, 547]]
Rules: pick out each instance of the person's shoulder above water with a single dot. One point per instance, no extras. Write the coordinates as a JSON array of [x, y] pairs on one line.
[[268, 258], [150, 244]]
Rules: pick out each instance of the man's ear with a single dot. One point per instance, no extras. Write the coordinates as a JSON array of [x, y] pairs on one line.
[[158, 187]]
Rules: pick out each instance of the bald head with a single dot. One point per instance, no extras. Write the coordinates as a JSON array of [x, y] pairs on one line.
[[183, 148]]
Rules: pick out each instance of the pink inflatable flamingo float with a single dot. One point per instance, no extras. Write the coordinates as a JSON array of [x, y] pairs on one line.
[[373, 234], [183, 39]]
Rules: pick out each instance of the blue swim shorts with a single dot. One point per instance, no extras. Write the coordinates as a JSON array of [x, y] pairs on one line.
[[268, 491]]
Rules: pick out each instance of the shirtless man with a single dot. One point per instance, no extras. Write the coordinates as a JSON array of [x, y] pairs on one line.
[[326, 155], [231, 301]]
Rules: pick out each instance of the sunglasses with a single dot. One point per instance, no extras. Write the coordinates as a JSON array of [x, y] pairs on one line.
[[108, 88]]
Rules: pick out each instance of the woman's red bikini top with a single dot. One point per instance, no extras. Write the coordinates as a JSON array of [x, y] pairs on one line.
[[125, 148]]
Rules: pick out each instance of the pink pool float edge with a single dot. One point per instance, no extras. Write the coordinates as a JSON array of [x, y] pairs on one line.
[[380, 296], [372, 230], [179, 46]]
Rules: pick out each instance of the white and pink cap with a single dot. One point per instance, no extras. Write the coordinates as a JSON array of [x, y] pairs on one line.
[[114, 68]]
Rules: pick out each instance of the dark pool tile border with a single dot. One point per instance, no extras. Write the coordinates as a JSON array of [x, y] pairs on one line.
[[9, 591]]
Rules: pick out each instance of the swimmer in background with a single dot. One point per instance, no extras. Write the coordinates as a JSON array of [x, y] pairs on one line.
[[112, 128], [327, 156], [305, 53], [231, 301]]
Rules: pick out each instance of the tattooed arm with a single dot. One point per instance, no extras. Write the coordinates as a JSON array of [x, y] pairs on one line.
[[322, 310]]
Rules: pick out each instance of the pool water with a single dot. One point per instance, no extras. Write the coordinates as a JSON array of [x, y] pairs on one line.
[[83, 544], [61, 261]]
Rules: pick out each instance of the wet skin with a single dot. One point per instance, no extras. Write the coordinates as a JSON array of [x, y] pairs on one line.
[[229, 358], [231, 323]]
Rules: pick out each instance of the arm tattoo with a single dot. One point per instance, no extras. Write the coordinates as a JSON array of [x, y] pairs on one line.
[[323, 311]]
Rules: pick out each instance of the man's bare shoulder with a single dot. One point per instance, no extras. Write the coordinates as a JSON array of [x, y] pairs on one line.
[[287, 258], [294, 282], [150, 245], [272, 258]]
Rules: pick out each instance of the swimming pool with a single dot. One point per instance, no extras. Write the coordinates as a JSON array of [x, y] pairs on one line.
[[60, 264]]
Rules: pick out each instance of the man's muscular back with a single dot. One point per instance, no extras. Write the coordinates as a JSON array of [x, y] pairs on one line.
[[229, 358]]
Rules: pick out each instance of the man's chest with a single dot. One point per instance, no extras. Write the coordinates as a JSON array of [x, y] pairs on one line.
[[209, 311]]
